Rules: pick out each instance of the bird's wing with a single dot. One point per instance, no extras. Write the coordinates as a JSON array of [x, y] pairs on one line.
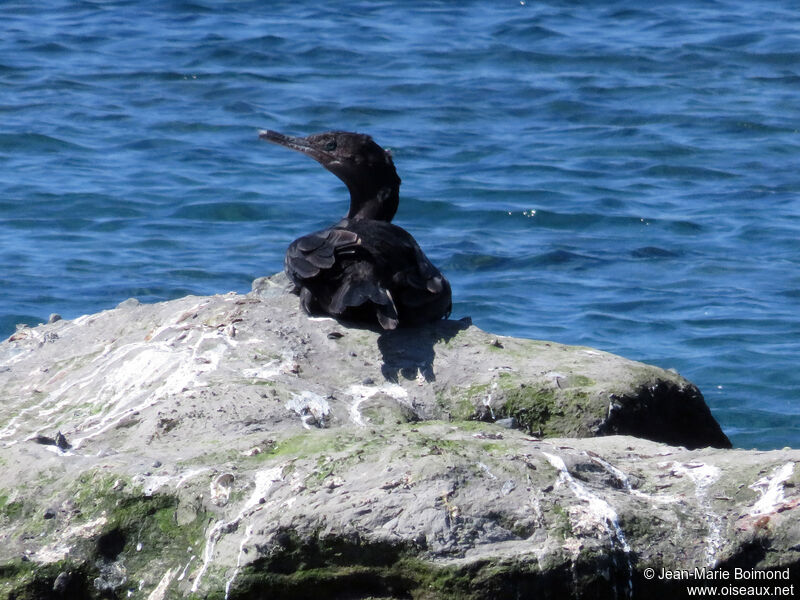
[[418, 273], [430, 275], [317, 251]]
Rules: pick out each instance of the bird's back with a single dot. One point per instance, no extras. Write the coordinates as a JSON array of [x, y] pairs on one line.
[[363, 269]]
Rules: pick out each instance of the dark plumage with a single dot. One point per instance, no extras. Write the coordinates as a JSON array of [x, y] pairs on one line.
[[363, 268]]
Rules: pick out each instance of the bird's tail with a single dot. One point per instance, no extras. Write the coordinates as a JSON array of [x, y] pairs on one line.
[[357, 292]]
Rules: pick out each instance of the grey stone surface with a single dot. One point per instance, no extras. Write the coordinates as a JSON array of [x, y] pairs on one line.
[[230, 446]]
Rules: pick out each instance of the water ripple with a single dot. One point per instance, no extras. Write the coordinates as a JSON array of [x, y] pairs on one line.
[[621, 176]]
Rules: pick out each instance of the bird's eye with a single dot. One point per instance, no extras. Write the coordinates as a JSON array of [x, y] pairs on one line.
[[330, 146]]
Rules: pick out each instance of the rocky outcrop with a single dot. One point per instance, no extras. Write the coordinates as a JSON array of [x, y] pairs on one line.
[[231, 447]]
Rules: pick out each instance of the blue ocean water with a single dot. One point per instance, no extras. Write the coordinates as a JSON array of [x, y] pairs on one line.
[[622, 175]]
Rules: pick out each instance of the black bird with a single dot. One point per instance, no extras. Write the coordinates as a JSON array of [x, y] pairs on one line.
[[362, 268]]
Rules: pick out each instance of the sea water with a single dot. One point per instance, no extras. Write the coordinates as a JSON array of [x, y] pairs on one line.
[[622, 175]]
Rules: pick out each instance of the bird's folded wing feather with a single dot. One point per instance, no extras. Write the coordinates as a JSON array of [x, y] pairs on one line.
[[312, 253], [420, 275]]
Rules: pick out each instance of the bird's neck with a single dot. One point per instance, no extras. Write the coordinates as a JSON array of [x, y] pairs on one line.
[[378, 206]]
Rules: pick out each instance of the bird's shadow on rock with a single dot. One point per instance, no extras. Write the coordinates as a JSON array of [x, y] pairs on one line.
[[409, 352]]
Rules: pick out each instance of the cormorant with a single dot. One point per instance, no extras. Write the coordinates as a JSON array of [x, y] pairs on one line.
[[362, 268]]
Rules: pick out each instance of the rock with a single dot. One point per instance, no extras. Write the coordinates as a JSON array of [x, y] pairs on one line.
[[442, 462], [62, 443], [129, 303], [221, 489], [61, 583]]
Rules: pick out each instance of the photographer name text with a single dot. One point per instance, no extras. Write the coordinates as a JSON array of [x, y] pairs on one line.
[[737, 574]]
